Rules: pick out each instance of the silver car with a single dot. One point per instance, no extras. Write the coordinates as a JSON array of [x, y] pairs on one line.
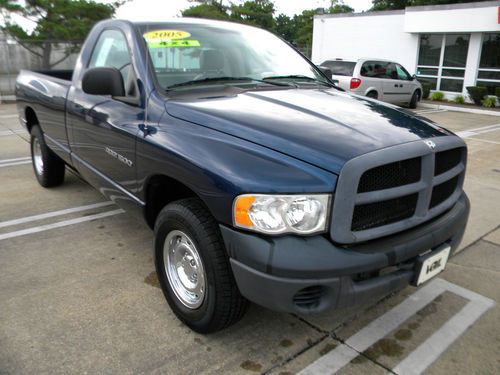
[[376, 78]]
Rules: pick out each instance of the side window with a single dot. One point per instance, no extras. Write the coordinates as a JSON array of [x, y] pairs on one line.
[[111, 51], [402, 73], [391, 71], [378, 69]]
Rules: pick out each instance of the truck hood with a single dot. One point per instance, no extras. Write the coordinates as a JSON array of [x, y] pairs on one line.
[[323, 127]]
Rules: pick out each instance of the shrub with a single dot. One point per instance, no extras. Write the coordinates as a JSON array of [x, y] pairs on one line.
[[497, 92], [489, 101], [459, 99], [437, 96], [426, 88], [477, 93]]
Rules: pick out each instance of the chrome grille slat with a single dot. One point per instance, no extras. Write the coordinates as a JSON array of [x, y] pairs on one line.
[[415, 200]]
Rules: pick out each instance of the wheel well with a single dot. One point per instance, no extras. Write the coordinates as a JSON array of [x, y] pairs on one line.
[[31, 118], [372, 91], [160, 191], [419, 93]]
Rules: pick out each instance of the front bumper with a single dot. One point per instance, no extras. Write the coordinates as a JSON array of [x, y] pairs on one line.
[[312, 274]]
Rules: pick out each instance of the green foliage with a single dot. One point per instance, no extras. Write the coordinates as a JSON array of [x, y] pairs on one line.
[[477, 93], [57, 20], [401, 4], [426, 88], [257, 12], [437, 96], [285, 27], [459, 99], [497, 91], [214, 11], [489, 101], [297, 29]]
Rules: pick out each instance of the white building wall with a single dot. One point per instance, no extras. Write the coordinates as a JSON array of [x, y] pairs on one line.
[[378, 35], [475, 18]]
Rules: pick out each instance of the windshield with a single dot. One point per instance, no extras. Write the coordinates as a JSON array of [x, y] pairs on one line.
[[183, 53]]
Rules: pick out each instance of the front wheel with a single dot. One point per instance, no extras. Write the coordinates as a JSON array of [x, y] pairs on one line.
[[48, 167], [414, 99], [193, 267]]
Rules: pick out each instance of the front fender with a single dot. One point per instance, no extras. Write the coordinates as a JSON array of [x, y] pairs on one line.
[[218, 166]]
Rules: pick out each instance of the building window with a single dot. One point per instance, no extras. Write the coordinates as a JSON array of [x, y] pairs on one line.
[[442, 59], [488, 74]]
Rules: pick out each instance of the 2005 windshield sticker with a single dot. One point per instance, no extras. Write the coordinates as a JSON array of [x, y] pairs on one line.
[[169, 38]]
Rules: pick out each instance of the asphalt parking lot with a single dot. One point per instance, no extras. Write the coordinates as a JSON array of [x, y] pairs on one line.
[[78, 293]]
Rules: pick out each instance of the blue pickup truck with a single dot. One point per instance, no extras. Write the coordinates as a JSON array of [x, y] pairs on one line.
[[262, 180]]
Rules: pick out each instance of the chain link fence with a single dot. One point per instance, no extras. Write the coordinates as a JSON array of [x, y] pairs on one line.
[[42, 55]]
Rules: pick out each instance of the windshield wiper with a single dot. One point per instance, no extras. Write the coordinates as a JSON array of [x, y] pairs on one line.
[[224, 79], [297, 77]]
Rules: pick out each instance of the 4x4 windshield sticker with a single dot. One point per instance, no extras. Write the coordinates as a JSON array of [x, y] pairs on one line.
[[169, 38], [173, 43]]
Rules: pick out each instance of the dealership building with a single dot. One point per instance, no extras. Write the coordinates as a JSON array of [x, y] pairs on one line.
[[450, 46]]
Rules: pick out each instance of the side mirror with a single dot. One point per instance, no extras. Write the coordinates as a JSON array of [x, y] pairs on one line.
[[103, 81], [414, 77], [326, 71]]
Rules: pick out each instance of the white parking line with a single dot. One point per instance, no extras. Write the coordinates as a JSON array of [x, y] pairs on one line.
[[476, 131], [8, 116], [15, 159], [4, 133], [59, 224], [46, 215], [15, 163], [432, 348], [426, 353], [424, 111]]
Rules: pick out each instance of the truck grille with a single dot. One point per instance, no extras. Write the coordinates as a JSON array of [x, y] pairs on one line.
[[377, 196], [376, 214], [390, 175]]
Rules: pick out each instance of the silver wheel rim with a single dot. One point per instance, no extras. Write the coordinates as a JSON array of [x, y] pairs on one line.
[[37, 157], [184, 269]]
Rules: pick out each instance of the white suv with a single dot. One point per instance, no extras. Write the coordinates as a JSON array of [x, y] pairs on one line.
[[376, 78]]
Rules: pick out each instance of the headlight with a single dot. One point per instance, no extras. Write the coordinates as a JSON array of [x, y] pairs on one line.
[[276, 214]]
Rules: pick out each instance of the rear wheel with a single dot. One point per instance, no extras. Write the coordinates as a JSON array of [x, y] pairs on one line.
[[372, 95], [414, 99], [48, 167], [193, 267]]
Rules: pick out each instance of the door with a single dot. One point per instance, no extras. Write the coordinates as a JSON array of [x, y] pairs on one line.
[[406, 84], [103, 130], [391, 86]]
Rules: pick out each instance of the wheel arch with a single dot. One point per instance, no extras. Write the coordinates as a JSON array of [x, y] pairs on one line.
[[31, 118], [372, 89], [160, 190]]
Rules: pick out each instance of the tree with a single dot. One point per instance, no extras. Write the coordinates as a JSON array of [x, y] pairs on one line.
[[56, 21], [401, 4], [285, 27], [214, 10], [338, 6], [257, 12]]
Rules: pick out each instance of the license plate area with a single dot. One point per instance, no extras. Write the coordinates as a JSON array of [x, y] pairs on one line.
[[429, 265]]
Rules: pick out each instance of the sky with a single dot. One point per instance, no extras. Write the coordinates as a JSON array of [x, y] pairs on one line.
[[157, 10]]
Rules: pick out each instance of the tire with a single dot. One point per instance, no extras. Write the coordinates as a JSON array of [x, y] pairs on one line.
[[372, 95], [414, 99], [48, 167], [187, 236]]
